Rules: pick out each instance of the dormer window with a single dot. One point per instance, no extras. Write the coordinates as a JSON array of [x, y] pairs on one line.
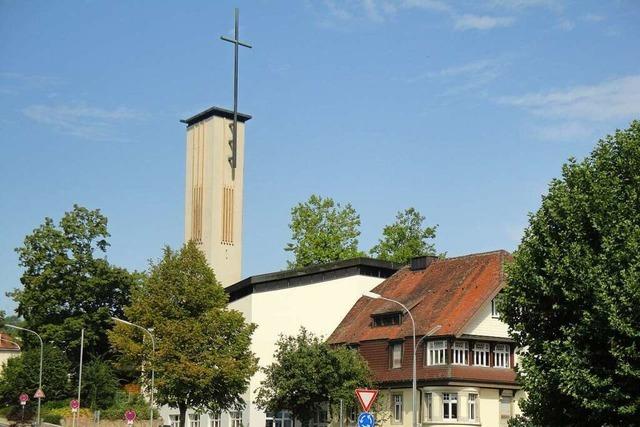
[[494, 308], [387, 319]]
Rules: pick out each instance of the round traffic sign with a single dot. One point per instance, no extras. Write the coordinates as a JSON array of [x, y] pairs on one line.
[[24, 398], [74, 405], [130, 416], [366, 419]]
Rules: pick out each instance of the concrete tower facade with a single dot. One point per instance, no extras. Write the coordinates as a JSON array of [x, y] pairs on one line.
[[214, 190]]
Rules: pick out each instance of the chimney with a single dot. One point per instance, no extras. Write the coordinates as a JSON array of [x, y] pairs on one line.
[[422, 262]]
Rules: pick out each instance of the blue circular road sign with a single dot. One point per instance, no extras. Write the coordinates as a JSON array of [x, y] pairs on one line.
[[365, 419]]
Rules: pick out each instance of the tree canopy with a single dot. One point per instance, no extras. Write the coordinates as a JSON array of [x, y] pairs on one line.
[[323, 231], [405, 238], [203, 359], [21, 375], [66, 286], [307, 373], [573, 292]]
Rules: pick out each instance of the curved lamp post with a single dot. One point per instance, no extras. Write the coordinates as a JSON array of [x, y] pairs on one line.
[[153, 352], [41, 354], [373, 295]]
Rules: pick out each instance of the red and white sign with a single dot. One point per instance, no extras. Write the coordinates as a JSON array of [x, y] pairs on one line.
[[130, 416], [39, 394], [74, 405], [366, 397], [24, 398]]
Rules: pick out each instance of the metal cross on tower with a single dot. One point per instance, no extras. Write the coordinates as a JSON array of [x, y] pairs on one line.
[[236, 42]]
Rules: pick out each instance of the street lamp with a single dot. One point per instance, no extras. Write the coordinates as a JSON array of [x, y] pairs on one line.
[[373, 295], [41, 354], [153, 352]]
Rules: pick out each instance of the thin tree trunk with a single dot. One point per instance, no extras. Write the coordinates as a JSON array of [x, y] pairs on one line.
[[182, 407]]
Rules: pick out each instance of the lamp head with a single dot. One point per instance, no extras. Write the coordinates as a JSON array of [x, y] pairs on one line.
[[371, 295]]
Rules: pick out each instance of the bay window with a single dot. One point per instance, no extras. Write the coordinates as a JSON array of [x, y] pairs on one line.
[[501, 356], [481, 354], [450, 406], [460, 352], [436, 352]]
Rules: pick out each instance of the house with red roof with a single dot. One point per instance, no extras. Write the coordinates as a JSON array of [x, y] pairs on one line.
[[464, 357], [8, 349]]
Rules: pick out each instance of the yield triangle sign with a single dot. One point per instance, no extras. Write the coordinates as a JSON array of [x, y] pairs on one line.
[[366, 397]]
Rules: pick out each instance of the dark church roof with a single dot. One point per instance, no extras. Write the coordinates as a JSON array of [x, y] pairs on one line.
[[215, 111], [309, 275]]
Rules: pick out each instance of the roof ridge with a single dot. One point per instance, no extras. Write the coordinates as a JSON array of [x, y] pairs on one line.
[[496, 251]]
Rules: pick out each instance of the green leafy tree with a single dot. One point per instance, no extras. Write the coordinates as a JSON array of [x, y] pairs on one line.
[[21, 374], [67, 287], [574, 290], [308, 373], [203, 359], [322, 231], [405, 238], [99, 384]]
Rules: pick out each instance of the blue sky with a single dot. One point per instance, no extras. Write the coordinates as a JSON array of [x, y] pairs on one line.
[[465, 110]]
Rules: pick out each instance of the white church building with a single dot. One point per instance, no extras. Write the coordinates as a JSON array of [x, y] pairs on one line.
[[472, 380], [316, 297]]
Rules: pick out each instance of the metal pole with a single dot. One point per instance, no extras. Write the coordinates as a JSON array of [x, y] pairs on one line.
[[413, 383], [235, 90], [80, 369], [153, 373], [237, 43], [41, 356], [341, 423]]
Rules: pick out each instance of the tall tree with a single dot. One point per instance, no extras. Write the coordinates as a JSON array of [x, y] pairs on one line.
[[21, 375], [405, 238], [67, 286], [574, 290], [322, 231], [203, 359], [307, 373]]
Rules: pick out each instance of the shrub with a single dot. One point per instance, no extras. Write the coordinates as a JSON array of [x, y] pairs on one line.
[[51, 418], [123, 402]]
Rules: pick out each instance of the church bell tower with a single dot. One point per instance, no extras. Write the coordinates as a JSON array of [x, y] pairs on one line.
[[214, 189]]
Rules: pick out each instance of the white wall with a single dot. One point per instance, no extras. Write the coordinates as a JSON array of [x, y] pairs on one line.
[[487, 407], [482, 323], [319, 307]]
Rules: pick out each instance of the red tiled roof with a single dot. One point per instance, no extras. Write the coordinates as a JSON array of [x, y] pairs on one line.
[[7, 343], [447, 293]]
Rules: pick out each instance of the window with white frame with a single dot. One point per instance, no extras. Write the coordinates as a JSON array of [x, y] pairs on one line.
[[174, 420], [236, 418], [494, 308], [501, 356], [397, 408], [428, 403], [481, 354], [472, 409], [436, 352], [460, 349], [450, 406], [395, 355], [194, 420], [280, 419], [214, 419]]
